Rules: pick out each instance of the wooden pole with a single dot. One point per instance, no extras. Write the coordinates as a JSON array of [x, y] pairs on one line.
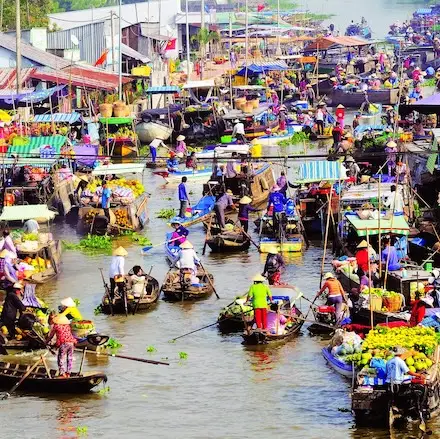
[[329, 210], [378, 224], [369, 280], [391, 228]]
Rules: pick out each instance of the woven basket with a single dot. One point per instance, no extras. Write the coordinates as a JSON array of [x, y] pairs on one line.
[[376, 303], [393, 304]]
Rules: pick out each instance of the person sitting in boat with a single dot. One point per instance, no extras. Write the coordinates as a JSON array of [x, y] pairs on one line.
[[117, 268], [8, 244], [191, 161], [8, 274], [336, 295], [259, 293], [418, 128], [389, 256], [276, 322], [397, 370], [69, 309], [181, 149], [137, 281], [277, 200], [188, 259], [418, 309], [65, 342], [172, 162], [31, 226], [223, 202], [11, 305], [180, 233], [238, 132], [274, 266]]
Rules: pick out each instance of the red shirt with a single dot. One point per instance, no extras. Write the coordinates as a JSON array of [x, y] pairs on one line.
[[362, 259], [63, 333], [417, 313]]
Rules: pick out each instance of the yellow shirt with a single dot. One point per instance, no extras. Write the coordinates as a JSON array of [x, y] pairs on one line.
[[73, 312]]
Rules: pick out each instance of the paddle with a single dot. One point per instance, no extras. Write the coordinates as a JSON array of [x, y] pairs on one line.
[[208, 233], [125, 357], [209, 280], [107, 291], [248, 237], [142, 295], [31, 369], [149, 247]]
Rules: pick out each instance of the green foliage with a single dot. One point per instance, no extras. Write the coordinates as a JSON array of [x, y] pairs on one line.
[[77, 302], [103, 391], [294, 139], [82, 430], [205, 36], [92, 243], [429, 82], [165, 213], [151, 349], [33, 13], [113, 344], [183, 355], [97, 310]]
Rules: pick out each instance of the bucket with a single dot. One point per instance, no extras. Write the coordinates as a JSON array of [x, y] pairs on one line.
[[428, 266], [376, 303]]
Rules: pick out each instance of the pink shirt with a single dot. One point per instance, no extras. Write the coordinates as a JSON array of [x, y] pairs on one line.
[[272, 322]]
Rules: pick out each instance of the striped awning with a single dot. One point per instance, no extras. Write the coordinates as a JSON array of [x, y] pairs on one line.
[[396, 225], [321, 170], [423, 11], [165, 89], [32, 149], [57, 117]]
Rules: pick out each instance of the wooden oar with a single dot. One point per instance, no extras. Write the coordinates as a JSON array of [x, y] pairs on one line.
[[31, 369], [208, 233], [107, 291], [248, 237], [149, 247], [209, 280], [125, 357]]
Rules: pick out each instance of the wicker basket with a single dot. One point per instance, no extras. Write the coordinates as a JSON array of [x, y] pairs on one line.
[[106, 110], [375, 303], [392, 304]]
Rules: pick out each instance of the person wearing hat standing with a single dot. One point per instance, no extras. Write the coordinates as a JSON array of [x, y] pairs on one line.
[[337, 136], [362, 256], [259, 293], [238, 132], [274, 266], [183, 197], [336, 295], [319, 119], [117, 268], [8, 274], [154, 144], [397, 370], [244, 208], [391, 150], [188, 259], [69, 309], [181, 149], [65, 343], [221, 205], [11, 305], [277, 200], [311, 96], [352, 168]]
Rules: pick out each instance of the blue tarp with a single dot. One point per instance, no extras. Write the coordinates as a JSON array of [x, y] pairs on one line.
[[321, 170], [58, 117], [42, 95], [257, 68]]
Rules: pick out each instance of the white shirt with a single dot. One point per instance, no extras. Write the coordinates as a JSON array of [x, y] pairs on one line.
[[238, 129], [319, 115], [155, 143], [364, 86], [116, 266], [187, 259], [31, 226], [395, 202], [137, 284]]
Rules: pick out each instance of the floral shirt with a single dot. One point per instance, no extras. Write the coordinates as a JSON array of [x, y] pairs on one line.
[[63, 333]]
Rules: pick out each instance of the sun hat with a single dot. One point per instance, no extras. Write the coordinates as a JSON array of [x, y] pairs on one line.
[[349, 159], [340, 106], [186, 244], [259, 278], [245, 200], [180, 137], [392, 144], [61, 319], [68, 302], [398, 350], [120, 251], [18, 286], [4, 253], [362, 244], [229, 192], [328, 275], [236, 120]]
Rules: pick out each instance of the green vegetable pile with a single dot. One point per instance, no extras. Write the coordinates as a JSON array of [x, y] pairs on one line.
[[165, 213], [30, 236], [429, 82], [113, 344], [369, 142], [294, 139], [92, 243]]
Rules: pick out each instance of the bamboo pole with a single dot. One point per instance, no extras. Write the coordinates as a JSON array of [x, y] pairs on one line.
[[369, 279], [391, 228], [329, 210], [378, 224]]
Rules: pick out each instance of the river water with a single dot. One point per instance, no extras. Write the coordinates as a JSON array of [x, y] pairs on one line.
[[222, 389]]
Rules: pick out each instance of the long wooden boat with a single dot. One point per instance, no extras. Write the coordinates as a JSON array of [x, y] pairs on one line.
[[228, 242], [200, 174], [336, 364], [174, 291], [39, 381], [355, 99], [133, 302], [199, 212], [148, 131], [258, 337], [373, 402]]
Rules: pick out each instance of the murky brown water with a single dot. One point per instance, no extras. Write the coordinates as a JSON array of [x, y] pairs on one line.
[[222, 390]]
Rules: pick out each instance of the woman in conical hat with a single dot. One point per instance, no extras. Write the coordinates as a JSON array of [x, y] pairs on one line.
[[244, 207]]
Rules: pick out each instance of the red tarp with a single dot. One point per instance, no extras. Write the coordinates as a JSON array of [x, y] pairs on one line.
[[325, 43]]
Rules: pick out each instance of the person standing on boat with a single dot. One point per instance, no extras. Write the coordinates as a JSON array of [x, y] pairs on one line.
[[277, 200], [259, 293], [336, 295], [418, 309], [274, 266], [183, 198], [230, 166], [69, 309], [65, 342], [319, 118], [117, 268], [8, 244], [238, 132], [311, 96], [389, 256], [362, 256], [8, 274], [337, 136], [105, 199], [220, 206], [244, 207], [394, 202], [31, 226], [181, 149], [391, 150], [154, 144], [397, 370], [11, 305]]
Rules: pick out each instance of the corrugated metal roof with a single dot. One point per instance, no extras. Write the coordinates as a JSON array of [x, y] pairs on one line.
[[327, 42], [57, 117], [8, 77], [39, 57], [98, 74], [41, 95]]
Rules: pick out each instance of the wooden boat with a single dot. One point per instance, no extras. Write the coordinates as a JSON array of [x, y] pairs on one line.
[[133, 302], [174, 290], [228, 242], [223, 150], [373, 402], [201, 211], [336, 364], [39, 381], [171, 251], [200, 174], [148, 131], [355, 99], [258, 337]]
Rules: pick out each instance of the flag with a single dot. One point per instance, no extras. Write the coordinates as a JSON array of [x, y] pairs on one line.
[[260, 8], [171, 44], [102, 59]]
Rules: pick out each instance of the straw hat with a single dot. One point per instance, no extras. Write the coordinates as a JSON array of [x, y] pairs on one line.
[[245, 200], [180, 137], [398, 350], [340, 106], [236, 120], [61, 319], [349, 159], [18, 286], [328, 275], [259, 278], [273, 250], [229, 192], [392, 144], [186, 244], [4, 254], [68, 302], [120, 251], [362, 244]]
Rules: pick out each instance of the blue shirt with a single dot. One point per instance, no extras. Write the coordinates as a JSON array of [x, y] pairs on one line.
[[182, 231], [278, 200], [393, 260], [105, 200], [183, 196], [396, 370], [243, 211]]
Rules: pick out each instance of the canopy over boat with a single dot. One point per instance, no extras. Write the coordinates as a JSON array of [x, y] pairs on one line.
[[263, 67], [23, 213], [396, 225], [70, 118], [321, 170]]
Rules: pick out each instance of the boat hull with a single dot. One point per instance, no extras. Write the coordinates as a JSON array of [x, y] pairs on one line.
[[340, 367], [148, 131]]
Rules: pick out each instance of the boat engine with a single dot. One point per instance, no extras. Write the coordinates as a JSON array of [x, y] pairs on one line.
[[326, 314]]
